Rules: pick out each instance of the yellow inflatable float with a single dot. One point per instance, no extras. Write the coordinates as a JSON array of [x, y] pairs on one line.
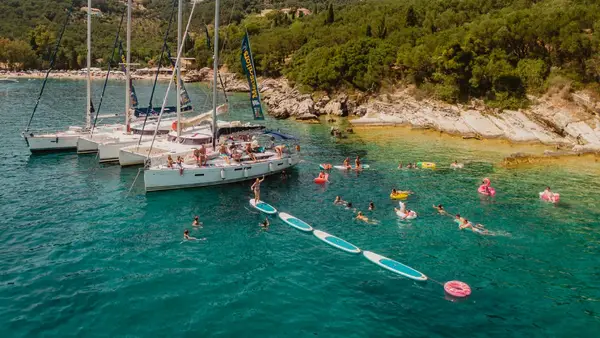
[[399, 195], [426, 165]]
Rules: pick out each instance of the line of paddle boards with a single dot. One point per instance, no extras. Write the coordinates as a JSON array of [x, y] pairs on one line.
[[341, 244], [341, 167]]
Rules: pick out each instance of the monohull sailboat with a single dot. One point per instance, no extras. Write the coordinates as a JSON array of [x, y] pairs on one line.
[[223, 166]]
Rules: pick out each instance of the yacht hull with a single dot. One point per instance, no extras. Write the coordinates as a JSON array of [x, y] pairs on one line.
[[51, 143], [109, 152], [156, 179]]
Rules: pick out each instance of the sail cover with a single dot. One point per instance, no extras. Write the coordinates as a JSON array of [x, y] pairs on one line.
[[248, 66]]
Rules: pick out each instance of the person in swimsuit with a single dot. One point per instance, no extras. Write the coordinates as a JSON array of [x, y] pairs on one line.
[[186, 236], [256, 188], [170, 162], [250, 152], [265, 224], [548, 194], [347, 163], [180, 164], [357, 163], [339, 201], [196, 221], [400, 165], [440, 209], [279, 149], [465, 224], [297, 148], [371, 206], [322, 175], [224, 153], [362, 217]]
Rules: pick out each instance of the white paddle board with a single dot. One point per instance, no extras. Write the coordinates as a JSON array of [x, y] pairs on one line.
[[264, 207], [394, 266], [341, 167], [295, 222], [336, 242]]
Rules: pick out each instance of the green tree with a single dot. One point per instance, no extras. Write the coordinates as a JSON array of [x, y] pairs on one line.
[[411, 17], [330, 15], [368, 32]]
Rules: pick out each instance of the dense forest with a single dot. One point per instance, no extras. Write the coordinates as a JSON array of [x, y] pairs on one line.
[[498, 50]]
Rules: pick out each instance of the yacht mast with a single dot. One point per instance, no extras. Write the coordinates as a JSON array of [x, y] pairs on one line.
[[215, 71], [178, 70], [88, 115], [128, 69]]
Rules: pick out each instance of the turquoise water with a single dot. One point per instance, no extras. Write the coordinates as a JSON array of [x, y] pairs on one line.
[[80, 257]]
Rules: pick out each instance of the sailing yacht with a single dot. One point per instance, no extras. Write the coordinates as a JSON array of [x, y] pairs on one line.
[[63, 140], [221, 169], [127, 134]]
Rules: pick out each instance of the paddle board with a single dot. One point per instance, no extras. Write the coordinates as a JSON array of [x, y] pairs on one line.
[[264, 207], [336, 242], [295, 222], [341, 167], [394, 266]]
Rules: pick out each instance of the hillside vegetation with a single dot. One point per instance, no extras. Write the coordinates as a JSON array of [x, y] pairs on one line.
[[497, 50]]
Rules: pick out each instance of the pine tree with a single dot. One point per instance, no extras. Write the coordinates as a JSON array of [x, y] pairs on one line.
[[330, 17]]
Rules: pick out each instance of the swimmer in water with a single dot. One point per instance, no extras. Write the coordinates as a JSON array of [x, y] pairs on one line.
[[339, 201], [265, 224], [400, 165], [465, 224], [349, 206], [440, 209], [196, 222], [362, 217], [371, 206], [186, 236], [347, 163]]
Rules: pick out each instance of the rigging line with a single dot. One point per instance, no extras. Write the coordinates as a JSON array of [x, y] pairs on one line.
[[162, 54], [108, 71], [135, 180], [173, 75], [52, 60]]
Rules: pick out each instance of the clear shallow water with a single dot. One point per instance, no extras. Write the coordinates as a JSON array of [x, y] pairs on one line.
[[80, 257]]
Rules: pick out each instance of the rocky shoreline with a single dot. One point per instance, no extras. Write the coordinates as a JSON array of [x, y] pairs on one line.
[[567, 120]]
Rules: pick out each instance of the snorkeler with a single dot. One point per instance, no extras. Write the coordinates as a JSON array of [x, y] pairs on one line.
[[265, 224]]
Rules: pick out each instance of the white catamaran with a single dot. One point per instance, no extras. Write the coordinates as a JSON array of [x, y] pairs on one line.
[[232, 165]]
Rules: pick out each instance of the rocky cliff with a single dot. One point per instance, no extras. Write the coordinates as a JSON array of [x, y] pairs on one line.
[[567, 120]]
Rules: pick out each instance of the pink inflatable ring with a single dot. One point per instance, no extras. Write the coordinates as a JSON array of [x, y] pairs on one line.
[[457, 289]]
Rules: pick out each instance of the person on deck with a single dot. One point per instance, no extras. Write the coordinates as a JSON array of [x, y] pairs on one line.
[[256, 188], [255, 145], [224, 153], [250, 152], [170, 162], [280, 149], [202, 155]]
